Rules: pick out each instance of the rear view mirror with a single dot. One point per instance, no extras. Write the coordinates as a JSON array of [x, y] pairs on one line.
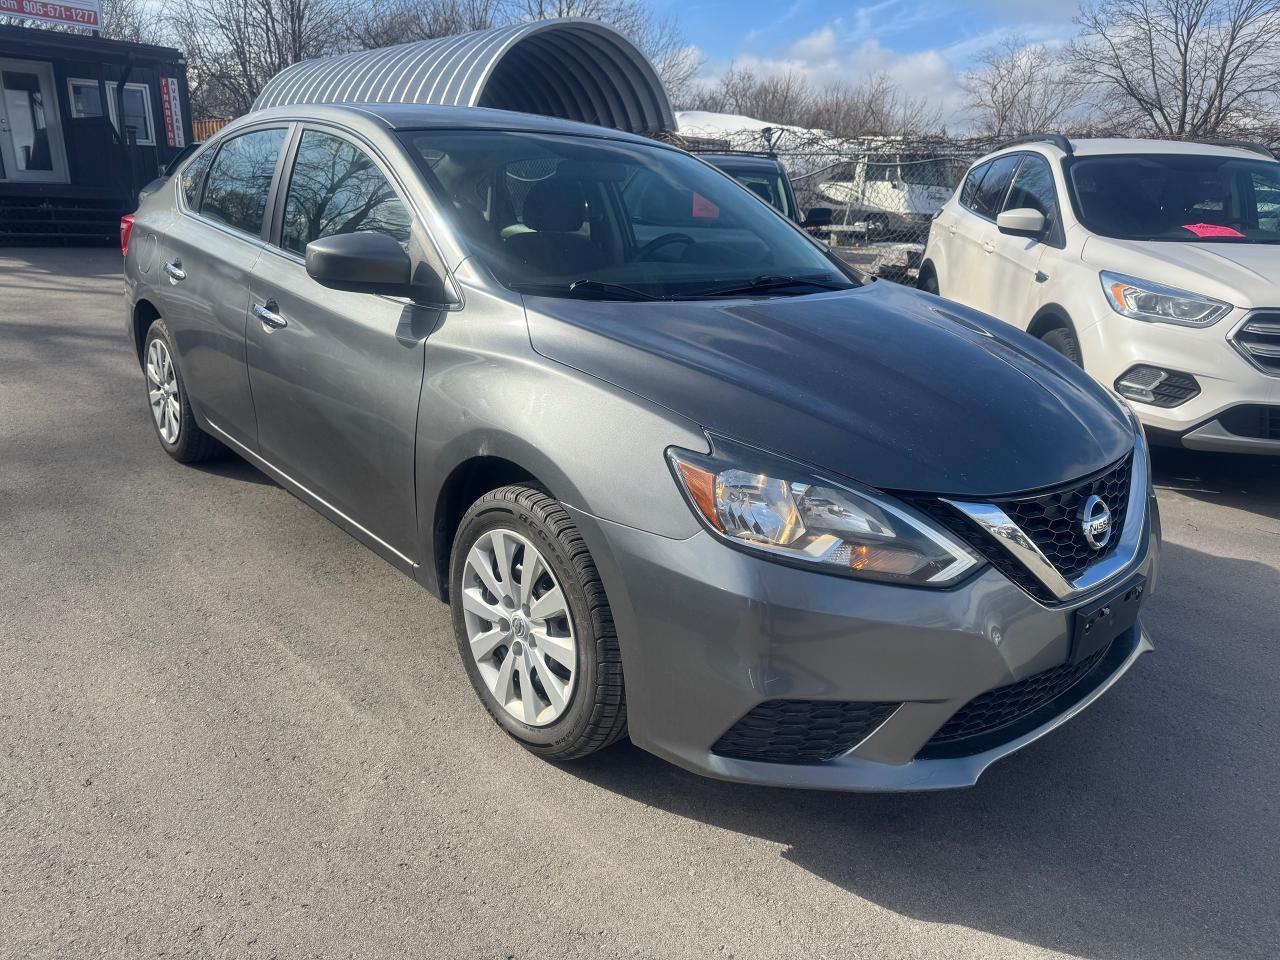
[[1023, 222], [818, 217], [361, 263]]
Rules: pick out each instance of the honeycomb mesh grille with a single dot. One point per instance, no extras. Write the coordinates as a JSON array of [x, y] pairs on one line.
[[1003, 706], [801, 731]]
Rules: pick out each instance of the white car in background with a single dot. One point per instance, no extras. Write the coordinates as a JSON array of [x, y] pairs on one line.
[[1153, 264], [892, 194]]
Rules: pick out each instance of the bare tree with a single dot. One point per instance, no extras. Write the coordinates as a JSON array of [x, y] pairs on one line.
[[1182, 67], [1020, 88], [403, 21]]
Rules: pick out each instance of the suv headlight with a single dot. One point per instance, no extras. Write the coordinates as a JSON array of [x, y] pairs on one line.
[[771, 506], [1154, 302]]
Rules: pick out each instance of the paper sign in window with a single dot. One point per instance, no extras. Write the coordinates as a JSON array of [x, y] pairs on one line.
[[1211, 230], [704, 209]]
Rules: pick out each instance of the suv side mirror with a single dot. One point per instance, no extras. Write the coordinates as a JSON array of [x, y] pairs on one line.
[[1023, 222], [363, 263], [818, 217]]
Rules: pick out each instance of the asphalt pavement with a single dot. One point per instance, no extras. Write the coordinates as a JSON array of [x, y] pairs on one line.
[[228, 730]]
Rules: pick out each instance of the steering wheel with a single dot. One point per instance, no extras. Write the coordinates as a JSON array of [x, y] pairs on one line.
[[658, 243]]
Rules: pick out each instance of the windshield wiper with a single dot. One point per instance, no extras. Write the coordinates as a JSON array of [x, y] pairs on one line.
[[822, 281], [608, 291]]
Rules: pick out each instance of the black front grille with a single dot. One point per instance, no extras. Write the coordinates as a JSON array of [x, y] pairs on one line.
[[1053, 520], [1256, 420], [1259, 340], [1157, 386], [971, 728], [801, 731]]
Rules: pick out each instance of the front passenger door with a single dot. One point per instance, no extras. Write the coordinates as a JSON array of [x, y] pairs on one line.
[[336, 376]]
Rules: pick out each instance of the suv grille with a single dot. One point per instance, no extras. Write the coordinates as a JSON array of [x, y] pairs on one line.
[[802, 731], [1253, 420], [1052, 520], [1258, 339]]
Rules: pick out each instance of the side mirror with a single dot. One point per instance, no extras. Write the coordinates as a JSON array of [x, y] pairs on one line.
[[1023, 222], [818, 217], [362, 263]]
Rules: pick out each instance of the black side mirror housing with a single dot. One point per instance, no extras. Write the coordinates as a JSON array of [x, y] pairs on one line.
[[371, 263], [818, 217]]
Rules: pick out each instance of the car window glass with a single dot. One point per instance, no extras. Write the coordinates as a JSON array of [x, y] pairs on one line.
[[336, 188], [769, 187], [969, 192], [990, 195], [883, 170], [238, 183], [1033, 189], [192, 178]]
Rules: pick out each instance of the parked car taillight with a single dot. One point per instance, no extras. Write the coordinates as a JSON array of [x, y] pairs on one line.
[[126, 231]]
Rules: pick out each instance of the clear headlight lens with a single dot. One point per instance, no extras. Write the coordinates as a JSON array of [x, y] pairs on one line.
[[771, 506], [1144, 300]]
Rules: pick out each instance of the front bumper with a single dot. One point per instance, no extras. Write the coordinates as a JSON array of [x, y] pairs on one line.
[[709, 633]]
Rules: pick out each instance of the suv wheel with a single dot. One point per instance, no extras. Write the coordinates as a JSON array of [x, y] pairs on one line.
[[1064, 341], [171, 415], [929, 282], [533, 625]]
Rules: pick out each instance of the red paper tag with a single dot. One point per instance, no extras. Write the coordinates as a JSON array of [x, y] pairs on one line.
[[1211, 230], [704, 209]]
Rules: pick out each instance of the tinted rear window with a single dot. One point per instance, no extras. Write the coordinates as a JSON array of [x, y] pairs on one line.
[[240, 179]]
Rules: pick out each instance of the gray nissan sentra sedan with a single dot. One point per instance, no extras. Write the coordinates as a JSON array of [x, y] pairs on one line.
[[680, 473]]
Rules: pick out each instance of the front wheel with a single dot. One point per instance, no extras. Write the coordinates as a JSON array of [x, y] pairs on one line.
[[1064, 341], [533, 626]]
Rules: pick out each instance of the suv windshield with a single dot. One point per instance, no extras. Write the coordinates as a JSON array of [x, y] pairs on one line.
[[547, 212], [1175, 197], [768, 186]]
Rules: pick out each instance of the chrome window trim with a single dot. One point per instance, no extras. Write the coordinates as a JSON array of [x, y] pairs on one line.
[[1023, 549], [1244, 351]]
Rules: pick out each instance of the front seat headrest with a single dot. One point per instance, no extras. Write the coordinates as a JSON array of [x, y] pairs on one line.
[[555, 205]]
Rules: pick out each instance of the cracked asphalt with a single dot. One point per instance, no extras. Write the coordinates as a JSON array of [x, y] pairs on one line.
[[228, 730]]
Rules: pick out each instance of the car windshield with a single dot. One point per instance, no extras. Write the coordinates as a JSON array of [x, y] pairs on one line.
[[1196, 199], [566, 215]]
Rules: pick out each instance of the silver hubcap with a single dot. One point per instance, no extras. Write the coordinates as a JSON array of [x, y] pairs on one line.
[[519, 628], [162, 388]]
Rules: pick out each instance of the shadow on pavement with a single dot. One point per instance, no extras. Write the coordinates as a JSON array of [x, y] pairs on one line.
[[1145, 828]]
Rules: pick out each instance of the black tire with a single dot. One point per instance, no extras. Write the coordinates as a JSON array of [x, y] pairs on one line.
[[1063, 339], [929, 282], [192, 445], [596, 713]]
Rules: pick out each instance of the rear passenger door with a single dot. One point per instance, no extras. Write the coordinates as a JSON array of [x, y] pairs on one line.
[[969, 279], [336, 376], [208, 258]]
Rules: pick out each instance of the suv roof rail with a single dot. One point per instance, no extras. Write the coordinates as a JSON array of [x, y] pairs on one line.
[[1250, 145], [1057, 139], [730, 152]]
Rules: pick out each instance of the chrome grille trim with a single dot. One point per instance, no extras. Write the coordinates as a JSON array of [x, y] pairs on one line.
[[1257, 339], [1023, 549]]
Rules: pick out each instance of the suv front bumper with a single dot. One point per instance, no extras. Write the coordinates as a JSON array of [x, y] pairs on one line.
[[709, 633]]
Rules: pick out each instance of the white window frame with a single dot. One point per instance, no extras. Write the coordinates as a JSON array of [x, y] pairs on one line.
[[72, 82]]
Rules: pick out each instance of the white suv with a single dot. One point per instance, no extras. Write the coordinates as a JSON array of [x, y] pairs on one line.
[[1153, 264]]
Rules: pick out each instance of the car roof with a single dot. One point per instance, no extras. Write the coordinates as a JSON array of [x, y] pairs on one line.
[[741, 161], [1113, 146], [424, 116]]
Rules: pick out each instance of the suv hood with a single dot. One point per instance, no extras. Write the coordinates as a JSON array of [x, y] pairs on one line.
[[884, 385], [1242, 274]]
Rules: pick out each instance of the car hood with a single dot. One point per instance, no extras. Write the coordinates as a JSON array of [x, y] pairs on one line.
[[884, 385], [1242, 274]]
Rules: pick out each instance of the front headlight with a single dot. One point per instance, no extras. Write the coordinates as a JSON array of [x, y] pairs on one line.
[[1154, 302], [771, 506]]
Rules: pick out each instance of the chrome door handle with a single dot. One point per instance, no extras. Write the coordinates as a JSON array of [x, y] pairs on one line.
[[268, 315], [175, 271]]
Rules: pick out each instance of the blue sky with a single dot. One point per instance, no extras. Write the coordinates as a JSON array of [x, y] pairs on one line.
[[923, 44]]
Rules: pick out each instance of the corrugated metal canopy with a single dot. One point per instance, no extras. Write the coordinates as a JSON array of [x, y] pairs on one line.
[[575, 69]]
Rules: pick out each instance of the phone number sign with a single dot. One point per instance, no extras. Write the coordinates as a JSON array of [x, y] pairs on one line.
[[81, 13]]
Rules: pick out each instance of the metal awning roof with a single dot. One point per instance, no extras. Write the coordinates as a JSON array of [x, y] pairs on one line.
[[575, 69]]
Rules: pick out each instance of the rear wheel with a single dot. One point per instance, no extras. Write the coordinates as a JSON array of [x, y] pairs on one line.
[[175, 425], [1063, 339], [929, 282], [533, 625]]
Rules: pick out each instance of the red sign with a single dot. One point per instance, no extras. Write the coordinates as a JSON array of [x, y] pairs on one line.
[[171, 106], [81, 13]]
